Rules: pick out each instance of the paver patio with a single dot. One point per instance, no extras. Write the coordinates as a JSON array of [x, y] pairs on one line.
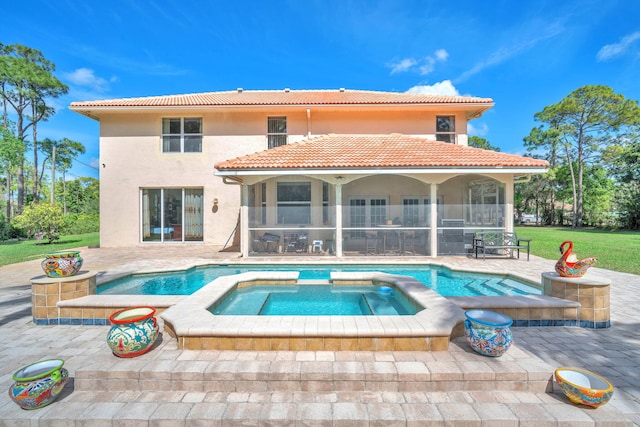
[[169, 386]]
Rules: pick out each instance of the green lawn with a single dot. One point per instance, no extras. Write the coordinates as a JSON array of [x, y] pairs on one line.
[[25, 250], [615, 250]]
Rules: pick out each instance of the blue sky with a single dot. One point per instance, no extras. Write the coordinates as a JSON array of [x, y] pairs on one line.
[[524, 55]]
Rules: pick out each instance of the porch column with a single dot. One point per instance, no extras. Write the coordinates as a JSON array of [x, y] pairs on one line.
[[433, 196], [339, 240], [244, 220], [508, 205]]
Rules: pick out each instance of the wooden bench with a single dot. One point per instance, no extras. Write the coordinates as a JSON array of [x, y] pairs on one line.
[[493, 242]]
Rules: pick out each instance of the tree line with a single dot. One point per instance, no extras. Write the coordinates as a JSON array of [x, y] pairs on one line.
[[590, 139], [28, 164]]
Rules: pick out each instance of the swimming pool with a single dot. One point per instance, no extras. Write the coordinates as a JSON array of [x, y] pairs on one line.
[[314, 300], [442, 280]]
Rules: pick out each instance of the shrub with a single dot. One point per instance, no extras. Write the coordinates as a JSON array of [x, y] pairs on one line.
[[82, 223], [43, 220]]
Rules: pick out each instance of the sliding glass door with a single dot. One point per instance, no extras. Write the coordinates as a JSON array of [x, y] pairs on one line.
[[172, 214]]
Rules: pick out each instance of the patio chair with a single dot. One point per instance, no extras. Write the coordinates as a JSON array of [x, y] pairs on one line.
[[371, 242], [408, 242], [269, 242]]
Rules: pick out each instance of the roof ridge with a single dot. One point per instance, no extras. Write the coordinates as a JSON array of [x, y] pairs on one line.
[[283, 96]]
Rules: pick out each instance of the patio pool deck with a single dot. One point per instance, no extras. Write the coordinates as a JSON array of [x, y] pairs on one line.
[[174, 386]]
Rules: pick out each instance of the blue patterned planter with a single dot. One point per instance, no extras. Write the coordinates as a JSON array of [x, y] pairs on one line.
[[488, 332], [38, 384], [133, 332]]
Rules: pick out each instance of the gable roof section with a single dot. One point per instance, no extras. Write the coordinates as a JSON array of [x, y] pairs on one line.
[[394, 151], [271, 98]]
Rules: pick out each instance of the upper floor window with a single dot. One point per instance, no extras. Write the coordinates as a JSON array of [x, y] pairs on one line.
[[276, 131], [182, 135], [446, 129]]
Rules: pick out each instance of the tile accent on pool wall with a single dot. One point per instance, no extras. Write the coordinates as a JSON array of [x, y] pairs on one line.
[[430, 329], [542, 310]]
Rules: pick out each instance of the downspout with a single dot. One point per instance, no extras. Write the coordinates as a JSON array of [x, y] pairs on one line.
[[308, 122], [244, 213]]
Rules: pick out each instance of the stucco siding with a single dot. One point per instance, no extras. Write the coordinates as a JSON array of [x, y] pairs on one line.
[[132, 158]]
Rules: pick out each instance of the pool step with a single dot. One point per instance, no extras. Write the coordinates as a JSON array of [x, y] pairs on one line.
[[459, 369], [291, 408], [168, 386]]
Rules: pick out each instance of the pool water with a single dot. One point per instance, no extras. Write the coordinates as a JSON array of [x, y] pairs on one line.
[[314, 300], [440, 279]]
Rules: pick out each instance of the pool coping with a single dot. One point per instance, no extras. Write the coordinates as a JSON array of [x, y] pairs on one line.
[[190, 318], [535, 310], [488, 269]]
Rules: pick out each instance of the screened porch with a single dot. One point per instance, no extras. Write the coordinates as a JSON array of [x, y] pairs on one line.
[[380, 215]]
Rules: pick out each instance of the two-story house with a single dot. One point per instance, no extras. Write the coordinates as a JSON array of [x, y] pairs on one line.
[[338, 172]]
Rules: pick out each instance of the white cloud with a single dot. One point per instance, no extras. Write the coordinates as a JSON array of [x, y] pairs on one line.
[[422, 67], [441, 55], [441, 88], [427, 67], [87, 78], [402, 65], [517, 47], [481, 130], [615, 49]]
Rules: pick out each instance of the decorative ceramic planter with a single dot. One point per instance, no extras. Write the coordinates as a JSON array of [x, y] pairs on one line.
[[62, 263], [133, 332], [569, 265], [488, 332], [38, 384], [583, 387]]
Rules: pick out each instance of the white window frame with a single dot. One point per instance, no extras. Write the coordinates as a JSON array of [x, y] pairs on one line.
[[274, 138], [182, 135], [369, 209]]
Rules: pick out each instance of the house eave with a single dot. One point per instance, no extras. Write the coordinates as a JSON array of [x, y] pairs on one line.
[[471, 110], [385, 171]]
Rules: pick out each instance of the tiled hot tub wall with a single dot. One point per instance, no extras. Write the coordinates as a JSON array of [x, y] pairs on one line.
[[592, 292], [46, 292]]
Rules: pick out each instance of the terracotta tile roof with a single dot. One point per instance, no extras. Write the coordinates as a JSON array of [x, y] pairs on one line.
[[282, 97], [375, 151]]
